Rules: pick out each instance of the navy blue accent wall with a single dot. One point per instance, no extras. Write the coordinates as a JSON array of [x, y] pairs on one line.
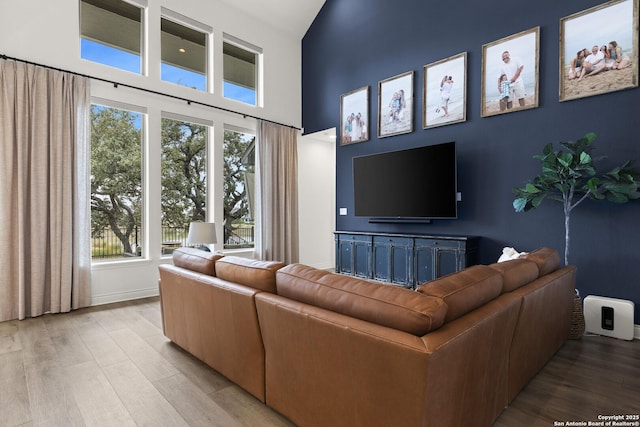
[[355, 43]]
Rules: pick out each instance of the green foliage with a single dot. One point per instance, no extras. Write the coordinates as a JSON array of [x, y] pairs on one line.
[[116, 174], [184, 172], [570, 177], [237, 164]]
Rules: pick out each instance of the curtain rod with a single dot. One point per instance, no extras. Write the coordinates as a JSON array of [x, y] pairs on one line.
[[116, 84]]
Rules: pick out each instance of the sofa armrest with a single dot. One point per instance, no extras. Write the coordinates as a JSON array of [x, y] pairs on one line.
[[216, 321]]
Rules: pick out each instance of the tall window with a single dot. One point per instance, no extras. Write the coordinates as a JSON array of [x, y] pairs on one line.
[[184, 179], [116, 183], [184, 55], [111, 33], [241, 70], [239, 188]]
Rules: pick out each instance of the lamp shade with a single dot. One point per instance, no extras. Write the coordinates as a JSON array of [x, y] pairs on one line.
[[202, 233]]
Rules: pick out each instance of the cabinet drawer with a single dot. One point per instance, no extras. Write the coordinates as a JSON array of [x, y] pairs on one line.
[[442, 243]]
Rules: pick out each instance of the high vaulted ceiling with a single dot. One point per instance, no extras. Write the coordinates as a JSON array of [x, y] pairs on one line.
[[292, 16]]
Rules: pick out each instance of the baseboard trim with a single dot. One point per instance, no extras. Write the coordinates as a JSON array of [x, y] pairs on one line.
[[636, 332], [124, 296]]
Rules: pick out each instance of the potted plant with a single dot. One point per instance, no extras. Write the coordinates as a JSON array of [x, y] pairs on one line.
[[570, 177]]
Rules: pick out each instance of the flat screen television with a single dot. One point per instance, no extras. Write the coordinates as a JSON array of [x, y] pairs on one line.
[[417, 183]]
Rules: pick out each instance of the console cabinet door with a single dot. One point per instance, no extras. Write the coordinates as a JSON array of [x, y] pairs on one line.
[[393, 260], [436, 258], [362, 257], [447, 260], [353, 255], [344, 255], [423, 254]]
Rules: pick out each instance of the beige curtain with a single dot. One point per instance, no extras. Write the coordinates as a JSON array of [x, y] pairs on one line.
[[44, 211], [277, 195]]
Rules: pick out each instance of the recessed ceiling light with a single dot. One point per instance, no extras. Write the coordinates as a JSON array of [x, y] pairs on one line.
[[182, 50]]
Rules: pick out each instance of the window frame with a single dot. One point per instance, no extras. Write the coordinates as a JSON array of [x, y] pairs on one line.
[[209, 161], [258, 74], [143, 60], [247, 131], [191, 24], [144, 149]]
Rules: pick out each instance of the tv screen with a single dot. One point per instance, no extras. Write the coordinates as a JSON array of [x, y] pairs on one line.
[[415, 183]]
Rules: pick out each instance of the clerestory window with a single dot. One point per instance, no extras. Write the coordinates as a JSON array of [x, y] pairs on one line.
[[184, 51], [111, 33], [241, 70]]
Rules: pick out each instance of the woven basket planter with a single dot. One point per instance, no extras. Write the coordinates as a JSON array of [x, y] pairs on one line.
[[577, 319]]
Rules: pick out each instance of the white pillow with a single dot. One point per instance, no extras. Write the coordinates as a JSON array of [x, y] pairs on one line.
[[509, 253]]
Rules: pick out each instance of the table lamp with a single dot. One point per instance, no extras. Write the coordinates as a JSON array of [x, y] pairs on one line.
[[202, 234]]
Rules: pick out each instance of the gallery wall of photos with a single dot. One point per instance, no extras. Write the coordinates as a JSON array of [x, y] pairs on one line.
[[510, 76]]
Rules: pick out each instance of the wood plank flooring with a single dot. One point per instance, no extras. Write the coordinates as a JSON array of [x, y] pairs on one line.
[[112, 366]]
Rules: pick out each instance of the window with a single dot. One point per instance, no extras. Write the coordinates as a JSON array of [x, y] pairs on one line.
[[116, 183], [241, 70], [111, 33], [184, 179], [184, 54], [239, 188]]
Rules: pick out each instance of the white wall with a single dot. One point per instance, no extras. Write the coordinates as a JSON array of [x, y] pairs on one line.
[[47, 32], [316, 196]]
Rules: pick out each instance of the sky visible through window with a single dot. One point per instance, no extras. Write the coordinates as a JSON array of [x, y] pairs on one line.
[[107, 55], [103, 54]]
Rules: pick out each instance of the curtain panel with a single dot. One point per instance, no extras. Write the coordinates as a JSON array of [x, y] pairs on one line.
[[44, 188], [277, 195]]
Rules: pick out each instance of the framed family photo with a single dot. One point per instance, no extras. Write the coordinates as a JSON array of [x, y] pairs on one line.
[[603, 59], [395, 105], [445, 92], [510, 73], [354, 116]]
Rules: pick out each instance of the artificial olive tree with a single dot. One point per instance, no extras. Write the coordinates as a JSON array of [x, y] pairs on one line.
[[570, 177]]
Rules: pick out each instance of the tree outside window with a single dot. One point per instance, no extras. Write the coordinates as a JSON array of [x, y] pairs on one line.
[[116, 182], [239, 173], [184, 179]]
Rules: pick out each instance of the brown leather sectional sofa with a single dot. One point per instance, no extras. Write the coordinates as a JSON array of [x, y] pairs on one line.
[[325, 349]]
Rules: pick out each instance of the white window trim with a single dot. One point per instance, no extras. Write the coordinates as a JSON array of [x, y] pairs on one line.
[[228, 38], [144, 157]]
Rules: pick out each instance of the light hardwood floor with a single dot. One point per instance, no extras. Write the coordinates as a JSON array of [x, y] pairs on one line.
[[112, 366]]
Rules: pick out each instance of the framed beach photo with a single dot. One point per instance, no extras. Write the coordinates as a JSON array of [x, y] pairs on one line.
[[354, 116], [444, 101], [395, 105], [510, 73], [604, 58]]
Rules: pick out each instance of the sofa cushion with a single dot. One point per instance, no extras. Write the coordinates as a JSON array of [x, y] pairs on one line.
[[377, 303], [547, 259], [465, 290], [516, 273], [249, 272], [196, 260]]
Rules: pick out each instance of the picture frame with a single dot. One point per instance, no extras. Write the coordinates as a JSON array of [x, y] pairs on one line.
[[354, 116], [618, 70], [444, 99], [505, 57], [395, 105]]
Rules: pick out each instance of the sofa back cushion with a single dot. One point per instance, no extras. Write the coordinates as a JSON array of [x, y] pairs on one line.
[[196, 260], [465, 290], [378, 303], [249, 272], [516, 273], [547, 259]]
